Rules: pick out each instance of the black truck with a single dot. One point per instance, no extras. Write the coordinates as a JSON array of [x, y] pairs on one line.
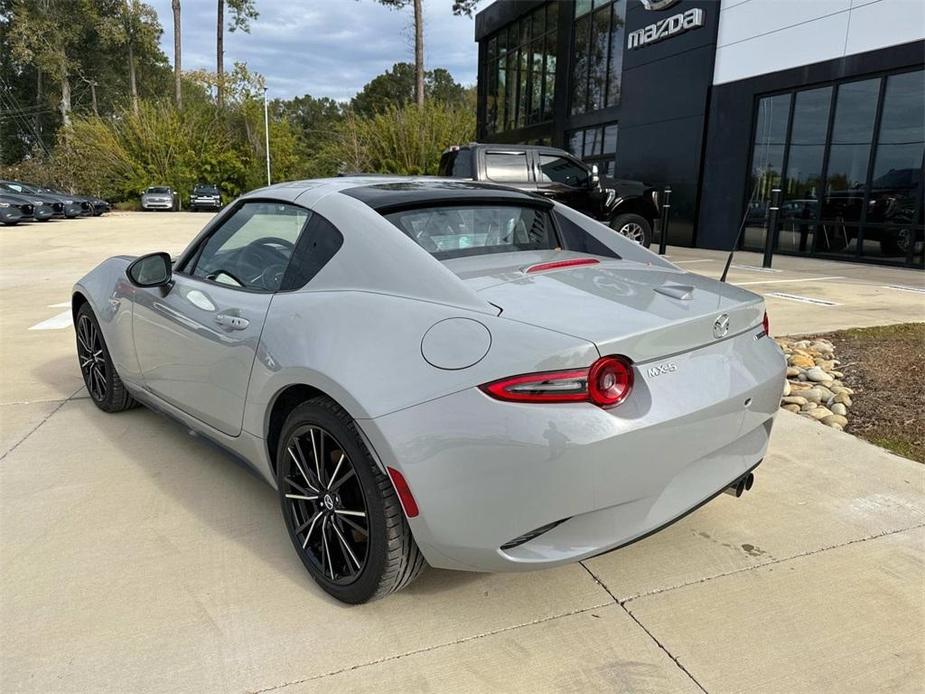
[[628, 207]]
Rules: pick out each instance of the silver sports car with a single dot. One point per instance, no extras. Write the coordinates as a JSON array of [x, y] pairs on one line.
[[444, 372]]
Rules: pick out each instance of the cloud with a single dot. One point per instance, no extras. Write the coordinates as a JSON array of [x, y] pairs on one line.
[[324, 47]]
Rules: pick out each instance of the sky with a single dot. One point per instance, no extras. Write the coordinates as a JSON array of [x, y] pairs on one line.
[[324, 47]]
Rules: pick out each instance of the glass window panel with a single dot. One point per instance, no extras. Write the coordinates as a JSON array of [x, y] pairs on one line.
[[524, 26], [855, 111], [539, 22], [506, 166], [582, 7], [610, 139], [844, 185], [811, 116], [773, 113], [576, 143], [550, 75], [524, 94], [593, 141], [580, 74], [552, 16], [502, 41], [597, 60], [492, 48], [510, 91], [903, 119], [615, 61], [561, 170]]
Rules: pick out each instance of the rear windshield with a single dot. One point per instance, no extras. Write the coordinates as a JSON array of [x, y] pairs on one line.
[[465, 230], [158, 189]]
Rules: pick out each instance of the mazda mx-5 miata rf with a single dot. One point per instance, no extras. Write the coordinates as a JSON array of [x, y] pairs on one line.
[[445, 372]]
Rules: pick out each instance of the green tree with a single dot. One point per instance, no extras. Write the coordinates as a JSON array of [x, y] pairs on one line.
[[396, 87], [242, 13]]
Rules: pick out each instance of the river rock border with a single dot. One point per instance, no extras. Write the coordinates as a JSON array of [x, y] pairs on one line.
[[814, 387]]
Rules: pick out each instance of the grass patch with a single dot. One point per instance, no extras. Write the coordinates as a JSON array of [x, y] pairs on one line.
[[884, 366]]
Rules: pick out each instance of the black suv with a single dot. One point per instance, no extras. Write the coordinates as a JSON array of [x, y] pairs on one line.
[[628, 207], [205, 196]]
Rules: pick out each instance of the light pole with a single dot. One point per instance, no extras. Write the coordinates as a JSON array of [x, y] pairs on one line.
[[266, 130]]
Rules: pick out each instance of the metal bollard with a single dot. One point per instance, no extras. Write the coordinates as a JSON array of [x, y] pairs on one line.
[[770, 237], [666, 215]]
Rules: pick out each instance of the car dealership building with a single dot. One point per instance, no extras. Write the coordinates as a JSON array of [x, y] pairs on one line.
[[726, 101]]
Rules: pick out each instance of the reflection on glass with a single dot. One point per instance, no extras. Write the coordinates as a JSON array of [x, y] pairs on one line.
[[767, 163], [615, 64], [600, 43], [580, 73]]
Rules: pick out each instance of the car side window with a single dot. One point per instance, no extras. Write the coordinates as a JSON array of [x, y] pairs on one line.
[[506, 167], [555, 169], [253, 247], [317, 245]]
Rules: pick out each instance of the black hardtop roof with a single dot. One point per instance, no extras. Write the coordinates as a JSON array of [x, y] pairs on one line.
[[383, 197]]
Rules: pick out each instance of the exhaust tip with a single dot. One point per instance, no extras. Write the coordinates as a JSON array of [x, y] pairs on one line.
[[740, 486]]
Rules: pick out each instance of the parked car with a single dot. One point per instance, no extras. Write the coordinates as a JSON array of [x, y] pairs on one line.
[[515, 387], [159, 198], [89, 205], [32, 208], [205, 196], [628, 207], [895, 201], [14, 209], [62, 206]]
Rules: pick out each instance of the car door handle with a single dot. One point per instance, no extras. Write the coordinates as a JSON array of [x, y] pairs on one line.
[[231, 322]]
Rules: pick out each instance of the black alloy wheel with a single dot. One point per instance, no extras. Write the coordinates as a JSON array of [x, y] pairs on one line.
[[92, 362], [100, 377], [343, 516], [326, 505]]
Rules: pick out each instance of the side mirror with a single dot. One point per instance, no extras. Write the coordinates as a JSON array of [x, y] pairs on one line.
[[152, 270], [595, 175]]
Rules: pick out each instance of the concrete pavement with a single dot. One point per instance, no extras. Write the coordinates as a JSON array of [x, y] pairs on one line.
[[135, 557]]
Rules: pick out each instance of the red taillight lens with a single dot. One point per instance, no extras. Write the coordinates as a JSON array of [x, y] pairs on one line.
[[547, 386], [766, 324], [606, 383], [610, 380]]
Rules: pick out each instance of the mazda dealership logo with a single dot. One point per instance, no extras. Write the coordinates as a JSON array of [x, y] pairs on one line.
[[658, 4], [721, 326]]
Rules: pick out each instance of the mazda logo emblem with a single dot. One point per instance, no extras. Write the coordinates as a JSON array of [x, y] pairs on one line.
[[721, 326]]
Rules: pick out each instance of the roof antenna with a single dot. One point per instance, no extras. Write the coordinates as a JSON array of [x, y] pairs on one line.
[[738, 239]]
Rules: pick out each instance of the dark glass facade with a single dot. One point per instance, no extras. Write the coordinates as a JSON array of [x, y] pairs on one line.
[[842, 138], [848, 157]]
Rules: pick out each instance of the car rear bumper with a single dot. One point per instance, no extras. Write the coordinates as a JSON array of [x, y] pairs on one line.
[[485, 472]]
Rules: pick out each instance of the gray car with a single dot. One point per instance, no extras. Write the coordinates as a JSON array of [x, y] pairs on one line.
[[158, 198], [444, 372]]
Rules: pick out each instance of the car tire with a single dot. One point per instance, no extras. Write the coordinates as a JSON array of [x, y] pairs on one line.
[[634, 227], [100, 376], [327, 532], [896, 243]]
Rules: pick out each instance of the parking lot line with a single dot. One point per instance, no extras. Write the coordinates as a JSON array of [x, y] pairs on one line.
[[903, 288], [800, 279], [802, 299]]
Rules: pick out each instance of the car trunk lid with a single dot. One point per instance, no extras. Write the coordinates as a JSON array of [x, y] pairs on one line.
[[645, 312]]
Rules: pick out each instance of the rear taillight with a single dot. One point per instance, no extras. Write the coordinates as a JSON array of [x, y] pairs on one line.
[[766, 324], [606, 383], [610, 380]]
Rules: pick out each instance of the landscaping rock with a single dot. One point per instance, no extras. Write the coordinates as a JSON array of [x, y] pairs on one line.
[[814, 386], [835, 419]]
